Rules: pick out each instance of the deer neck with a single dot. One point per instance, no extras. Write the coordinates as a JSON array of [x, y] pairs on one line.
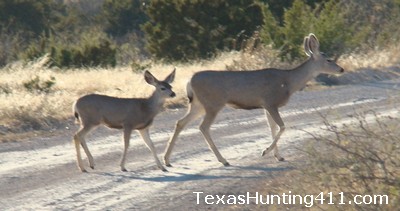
[[299, 76], [155, 103]]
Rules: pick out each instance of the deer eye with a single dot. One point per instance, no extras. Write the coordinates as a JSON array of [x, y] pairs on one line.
[[163, 88]]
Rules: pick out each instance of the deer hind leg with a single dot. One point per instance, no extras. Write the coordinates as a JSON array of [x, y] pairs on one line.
[[79, 139], [274, 120], [127, 136], [193, 113], [274, 128], [205, 130], [146, 137]]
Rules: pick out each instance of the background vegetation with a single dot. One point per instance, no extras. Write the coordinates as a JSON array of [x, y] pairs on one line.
[[50, 49], [53, 51], [110, 32]]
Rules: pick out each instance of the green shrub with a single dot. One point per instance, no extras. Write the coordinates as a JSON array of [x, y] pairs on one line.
[[123, 16], [298, 22], [31, 17], [193, 29], [278, 7], [91, 50], [187, 29], [337, 31]]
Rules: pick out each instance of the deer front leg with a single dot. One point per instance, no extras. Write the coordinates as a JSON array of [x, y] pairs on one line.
[[146, 137], [205, 130], [127, 136], [274, 121]]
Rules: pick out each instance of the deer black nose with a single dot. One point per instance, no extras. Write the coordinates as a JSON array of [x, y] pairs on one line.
[[172, 94], [341, 70]]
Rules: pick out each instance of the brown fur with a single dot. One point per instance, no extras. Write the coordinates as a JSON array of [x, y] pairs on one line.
[[121, 113], [268, 88]]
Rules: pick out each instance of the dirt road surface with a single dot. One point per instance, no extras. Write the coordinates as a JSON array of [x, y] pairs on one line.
[[41, 174]]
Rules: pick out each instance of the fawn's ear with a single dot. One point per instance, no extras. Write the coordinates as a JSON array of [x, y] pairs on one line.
[[170, 78], [313, 43], [150, 79], [307, 46]]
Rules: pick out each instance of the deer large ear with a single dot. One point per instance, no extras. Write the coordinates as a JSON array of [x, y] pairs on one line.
[[170, 78], [150, 79], [307, 46], [313, 43]]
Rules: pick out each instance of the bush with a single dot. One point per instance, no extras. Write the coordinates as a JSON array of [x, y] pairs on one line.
[[192, 29], [188, 29], [91, 50], [31, 17], [298, 22], [278, 7], [9, 47], [360, 158], [101, 54], [123, 16], [24, 21], [333, 25]]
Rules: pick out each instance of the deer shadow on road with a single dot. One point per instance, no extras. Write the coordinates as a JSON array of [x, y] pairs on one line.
[[186, 174]]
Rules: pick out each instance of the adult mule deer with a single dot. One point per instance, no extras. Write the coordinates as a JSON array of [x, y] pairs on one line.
[[121, 113], [210, 91]]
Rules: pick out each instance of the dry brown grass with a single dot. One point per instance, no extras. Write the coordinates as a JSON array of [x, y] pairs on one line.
[[379, 58], [23, 109]]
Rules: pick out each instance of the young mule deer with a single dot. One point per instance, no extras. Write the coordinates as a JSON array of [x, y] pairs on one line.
[[121, 113], [210, 91]]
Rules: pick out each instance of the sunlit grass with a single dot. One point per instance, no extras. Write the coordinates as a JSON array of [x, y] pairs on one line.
[[25, 109], [32, 109], [373, 59]]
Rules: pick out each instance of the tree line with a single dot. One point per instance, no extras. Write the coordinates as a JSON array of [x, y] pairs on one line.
[[110, 32]]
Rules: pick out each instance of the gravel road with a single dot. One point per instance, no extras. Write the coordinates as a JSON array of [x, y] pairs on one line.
[[41, 174]]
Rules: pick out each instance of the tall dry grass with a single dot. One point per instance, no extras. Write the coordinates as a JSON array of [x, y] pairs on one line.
[[375, 59], [23, 108]]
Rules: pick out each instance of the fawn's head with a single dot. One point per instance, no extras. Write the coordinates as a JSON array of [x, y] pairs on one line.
[[325, 65], [163, 87]]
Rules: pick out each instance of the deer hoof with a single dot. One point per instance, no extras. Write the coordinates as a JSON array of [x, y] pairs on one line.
[[124, 169], [166, 162], [164, 170], [226, 164]]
